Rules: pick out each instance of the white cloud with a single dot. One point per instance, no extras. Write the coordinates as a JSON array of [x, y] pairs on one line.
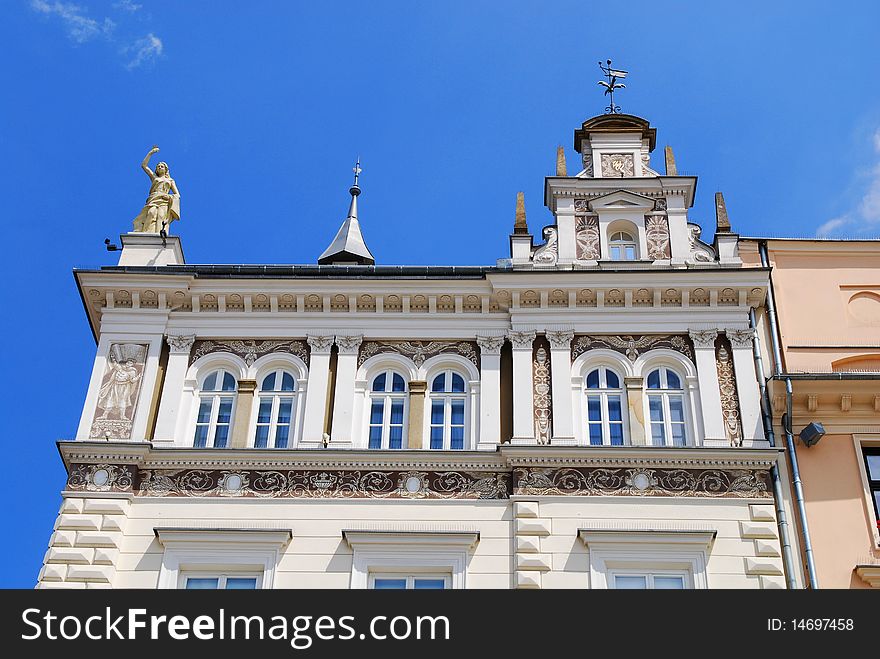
[[865, 217], [79, 27], [144, 50], [127, 5]]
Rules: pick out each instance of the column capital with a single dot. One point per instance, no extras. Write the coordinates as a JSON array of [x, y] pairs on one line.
[[247, 386], [740, 338], [348, 345], [180, 344], [490, 345], [418, 386], [703, 338], [522, 340], [320, 344], [560, 339]]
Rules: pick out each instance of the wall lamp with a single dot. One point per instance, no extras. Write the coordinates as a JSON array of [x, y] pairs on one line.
[[812, 433]]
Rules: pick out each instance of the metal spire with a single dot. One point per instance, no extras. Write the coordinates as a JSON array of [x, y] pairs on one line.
[[612, 84], [348, 246]]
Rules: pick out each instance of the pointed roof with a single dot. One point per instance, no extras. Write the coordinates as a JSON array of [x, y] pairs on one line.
[[348, 246]]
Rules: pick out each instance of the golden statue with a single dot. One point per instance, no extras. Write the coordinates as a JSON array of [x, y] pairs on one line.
[[163, 205]]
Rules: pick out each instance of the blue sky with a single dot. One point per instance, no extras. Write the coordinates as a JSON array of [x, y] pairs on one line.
[[261, 109]]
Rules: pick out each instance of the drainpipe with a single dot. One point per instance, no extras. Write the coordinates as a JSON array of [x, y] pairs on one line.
[[789, 439], [767, 416]]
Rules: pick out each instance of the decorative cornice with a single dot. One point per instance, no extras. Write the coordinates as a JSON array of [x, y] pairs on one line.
[[250, 350], [349, 345], [522, 340], [632, 345], [703, 339], [180, 344]]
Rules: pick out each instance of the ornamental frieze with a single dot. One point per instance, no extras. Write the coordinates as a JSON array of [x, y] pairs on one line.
[[250, 350], [101, 477], [601, 481], [420, 351], [632, 345], [324, 484]]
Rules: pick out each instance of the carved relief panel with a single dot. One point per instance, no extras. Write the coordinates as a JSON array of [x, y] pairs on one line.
[[120, 390], [617, 165], [727, 385], [586, 234], [657, 234], [542, 394]]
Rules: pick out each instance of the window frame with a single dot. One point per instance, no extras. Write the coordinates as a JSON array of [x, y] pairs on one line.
[[215, 397], [603, 392], [295, 423], [681, 550], [388, 398], [871, 443], [621, 245], [664, 393], [410, 576], [221, 576], [447, 397]]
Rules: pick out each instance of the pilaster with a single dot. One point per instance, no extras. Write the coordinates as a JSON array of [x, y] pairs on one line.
[[343, 403], [523, 411], [179, 347], [560, 375], [746, 385], [490, 392], [317, 390], [244, 403], [415, 436], [710, 394]]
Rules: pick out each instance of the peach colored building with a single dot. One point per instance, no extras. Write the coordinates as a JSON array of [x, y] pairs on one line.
[[827, 299]]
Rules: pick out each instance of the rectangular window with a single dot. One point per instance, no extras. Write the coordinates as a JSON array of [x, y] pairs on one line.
[[200, 581], [395, 430], [410, 581], [649, 581]]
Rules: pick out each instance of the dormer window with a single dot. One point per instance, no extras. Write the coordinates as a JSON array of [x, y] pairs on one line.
[[622, 247]]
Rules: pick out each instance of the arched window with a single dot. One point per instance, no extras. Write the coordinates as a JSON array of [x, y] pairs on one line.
[[448, 404], [387, 410], [276, 410], [622, 247], [666, 408], [216, 403], [604, 407]]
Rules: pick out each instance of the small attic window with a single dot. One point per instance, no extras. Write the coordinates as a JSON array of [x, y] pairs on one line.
[[622, 247]]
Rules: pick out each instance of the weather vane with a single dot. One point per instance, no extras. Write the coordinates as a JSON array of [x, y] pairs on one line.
[[613, 75], [357, 171]]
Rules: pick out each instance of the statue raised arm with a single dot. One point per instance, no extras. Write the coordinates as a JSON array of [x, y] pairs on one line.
[[163, 203]]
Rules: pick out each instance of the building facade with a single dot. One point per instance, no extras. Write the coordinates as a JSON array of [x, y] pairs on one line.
[[827, 304], [584, 414]]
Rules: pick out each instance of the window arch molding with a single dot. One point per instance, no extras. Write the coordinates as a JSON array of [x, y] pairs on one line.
[[258, 371], [687, 372], [191, 394], [368, 371], [581, 367], [464, 367]]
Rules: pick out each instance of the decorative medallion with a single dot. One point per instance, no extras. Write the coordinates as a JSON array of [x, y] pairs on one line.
[[324, 484], [729, 397], [617, 165], [250, 350], [419, 351], [657, 234], [100, 478], [541, 395], [660, 204], [120, 389], [586, 235], [582, 206], [632, 346], [601, 481], [547, 254]]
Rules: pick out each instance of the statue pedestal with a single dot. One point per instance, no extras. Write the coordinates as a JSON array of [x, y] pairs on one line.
[[147, 249]]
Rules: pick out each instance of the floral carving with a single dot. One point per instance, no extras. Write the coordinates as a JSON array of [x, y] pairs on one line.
[[632, 346], [490, 345], [586, 235], [120, 390], [541, 396], [741, 338], [419, 351], [348, 345], [180, 343], [729, 397], [657, 234], [587, 160], [602, 481], [324, 484], [250, 350], [617, 165], [522, 340], [319, 343], [100, 478], [704, 338]]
